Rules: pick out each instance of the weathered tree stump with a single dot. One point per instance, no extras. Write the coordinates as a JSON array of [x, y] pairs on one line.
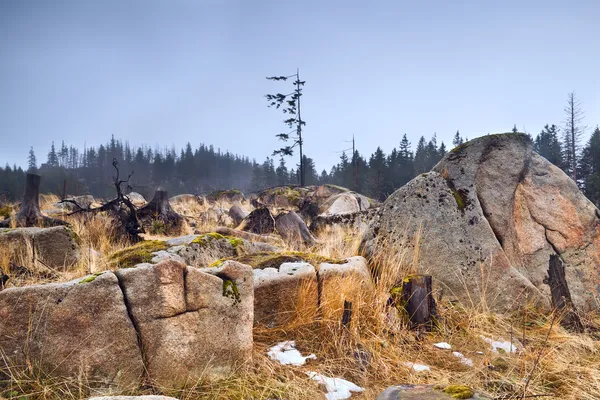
[[293, 229], [347, 315], [561, 296], [259, 221], [160, 213], [417, 296], [30, 214]]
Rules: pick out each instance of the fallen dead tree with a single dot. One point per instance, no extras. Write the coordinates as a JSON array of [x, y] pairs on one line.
[[121, 208]]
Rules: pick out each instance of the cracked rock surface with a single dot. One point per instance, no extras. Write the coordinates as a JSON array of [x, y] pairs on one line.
[[489, 215], [168, 324]]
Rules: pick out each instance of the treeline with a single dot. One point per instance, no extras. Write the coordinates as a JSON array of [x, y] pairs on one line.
[[204, 169]]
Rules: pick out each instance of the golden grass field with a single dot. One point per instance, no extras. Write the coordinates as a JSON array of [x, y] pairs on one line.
[[550, 362]]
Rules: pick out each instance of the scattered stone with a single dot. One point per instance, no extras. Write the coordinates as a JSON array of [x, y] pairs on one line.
[[340, 204], [85, 201], [443, 346], [293, 229], [231, 195], [259, 221], [55, 248], [237, 214], [137, 199]]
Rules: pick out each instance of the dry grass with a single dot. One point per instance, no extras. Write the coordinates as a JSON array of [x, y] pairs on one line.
[[373, 351]]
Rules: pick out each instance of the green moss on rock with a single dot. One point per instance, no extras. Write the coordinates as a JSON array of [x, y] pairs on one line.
[[91, 278], [136, 254], [231, 290], [459, 391], [205, 239]]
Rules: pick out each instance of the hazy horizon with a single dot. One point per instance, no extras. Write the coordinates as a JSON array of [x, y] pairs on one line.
[[168, 73]]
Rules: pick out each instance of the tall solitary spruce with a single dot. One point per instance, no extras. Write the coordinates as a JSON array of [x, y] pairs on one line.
[[291, 107]]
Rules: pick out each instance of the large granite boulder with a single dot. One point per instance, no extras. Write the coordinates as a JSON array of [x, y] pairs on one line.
[[55, 248], [193, 323], [74, 330], [489, 216]]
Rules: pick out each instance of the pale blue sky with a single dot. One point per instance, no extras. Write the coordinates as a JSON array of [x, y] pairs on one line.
[[168, 72]]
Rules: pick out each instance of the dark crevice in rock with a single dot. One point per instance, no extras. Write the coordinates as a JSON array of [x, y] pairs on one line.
[[185, 289], [497, 235], [138, 334], [178, 314]]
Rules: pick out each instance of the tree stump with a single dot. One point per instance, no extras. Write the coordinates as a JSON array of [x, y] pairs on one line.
[[417, 296], [561, 296], [159, 216], [30, 214]]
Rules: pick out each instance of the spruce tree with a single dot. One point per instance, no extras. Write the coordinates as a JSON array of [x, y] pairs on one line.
[[52, 157], [31, 161]]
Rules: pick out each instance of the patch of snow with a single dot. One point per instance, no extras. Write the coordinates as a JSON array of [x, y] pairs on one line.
[[417, 367], [506, 346], [443, 346], [286, 354], [465, 360], [337, 388]]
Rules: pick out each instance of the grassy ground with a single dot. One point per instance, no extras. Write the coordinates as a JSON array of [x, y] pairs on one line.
[[374, 351]]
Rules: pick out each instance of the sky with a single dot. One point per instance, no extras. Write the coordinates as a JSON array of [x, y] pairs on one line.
[[164, 73]]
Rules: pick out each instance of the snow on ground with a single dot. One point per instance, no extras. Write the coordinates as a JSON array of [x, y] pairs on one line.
[[337, 388], [465, 360], [443, 346], [286, 354], [417, 367], [506, 346]]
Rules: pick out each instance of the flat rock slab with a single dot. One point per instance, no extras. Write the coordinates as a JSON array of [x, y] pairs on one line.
[[419, 392]]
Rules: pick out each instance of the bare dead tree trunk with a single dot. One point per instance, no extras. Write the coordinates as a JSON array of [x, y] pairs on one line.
[[159, 211], [30, 214], [418, 298], [121, 207], [561, 296]]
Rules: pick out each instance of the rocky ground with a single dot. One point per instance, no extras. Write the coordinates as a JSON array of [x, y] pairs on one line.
[[296, 293]]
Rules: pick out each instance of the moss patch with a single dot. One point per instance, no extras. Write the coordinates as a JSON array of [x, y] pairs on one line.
[[459, 391], [136, 254], [205, 239], [231, 290], [91, 278], [274, 260]]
